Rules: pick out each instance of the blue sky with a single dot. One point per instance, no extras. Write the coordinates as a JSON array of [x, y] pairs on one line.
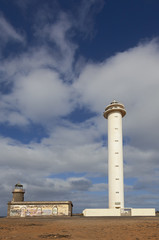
[[62, 63]]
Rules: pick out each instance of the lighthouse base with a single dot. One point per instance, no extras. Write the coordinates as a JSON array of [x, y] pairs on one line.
[[99, 212]]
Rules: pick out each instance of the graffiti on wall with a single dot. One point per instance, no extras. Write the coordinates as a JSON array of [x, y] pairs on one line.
[[15, 212], [33, 210], [54, 210], [47, 211]]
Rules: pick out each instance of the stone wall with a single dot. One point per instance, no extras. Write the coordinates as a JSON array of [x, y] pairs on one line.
[[31, 209]]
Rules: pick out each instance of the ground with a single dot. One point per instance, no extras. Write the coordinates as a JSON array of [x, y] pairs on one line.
[[79, 228]]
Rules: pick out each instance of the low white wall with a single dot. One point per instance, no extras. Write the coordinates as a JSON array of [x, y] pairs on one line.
[[101, 212], [143, 212]]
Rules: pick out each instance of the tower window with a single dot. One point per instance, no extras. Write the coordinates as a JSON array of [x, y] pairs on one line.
[[116, 140], [116, 128], [116, 165], [116, 152], [117, 179], [117, 192]]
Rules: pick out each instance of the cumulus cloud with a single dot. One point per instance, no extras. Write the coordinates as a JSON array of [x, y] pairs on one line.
[[42, 94], [36, 79], [66, 150], [132, 78], [37, 91]]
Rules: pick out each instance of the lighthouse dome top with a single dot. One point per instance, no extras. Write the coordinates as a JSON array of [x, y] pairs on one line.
[[114, 106], [114, 102]]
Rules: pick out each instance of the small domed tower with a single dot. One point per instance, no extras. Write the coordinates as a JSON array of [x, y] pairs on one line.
[[18, 193]]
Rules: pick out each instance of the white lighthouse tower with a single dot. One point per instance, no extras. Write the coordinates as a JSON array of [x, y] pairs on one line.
[[114, 113]]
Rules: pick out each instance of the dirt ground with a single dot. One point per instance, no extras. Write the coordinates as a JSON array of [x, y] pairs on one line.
[[79, 228]]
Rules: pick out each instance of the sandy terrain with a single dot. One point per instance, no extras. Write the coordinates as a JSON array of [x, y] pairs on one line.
[[75, 228]]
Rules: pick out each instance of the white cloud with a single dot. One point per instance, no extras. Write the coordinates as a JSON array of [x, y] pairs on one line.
[[62, 47], [38, 93], [85, 14], [132, 78], [68, 149], [7, 32], [42, 95], [99, 187], [140, 163]]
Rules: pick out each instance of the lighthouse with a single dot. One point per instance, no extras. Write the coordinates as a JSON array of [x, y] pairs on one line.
[[18, 193], [114, 112]]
